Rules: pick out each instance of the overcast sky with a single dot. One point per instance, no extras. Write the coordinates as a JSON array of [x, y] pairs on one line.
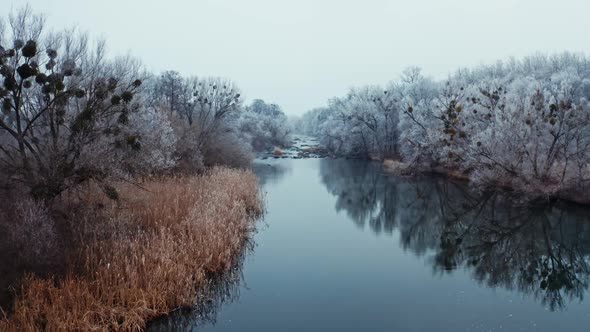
[[300, 53]]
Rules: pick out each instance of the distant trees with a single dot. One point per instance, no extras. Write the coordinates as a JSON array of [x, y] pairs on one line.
[[264, 125], [202, 112], [363, 123], [210, 123], [523, 124]]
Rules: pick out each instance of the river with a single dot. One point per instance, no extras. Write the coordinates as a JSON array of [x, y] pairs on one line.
[[346, 247]]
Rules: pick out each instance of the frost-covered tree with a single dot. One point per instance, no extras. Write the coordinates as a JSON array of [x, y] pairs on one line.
[[156, 142], [203, 113], [520, 123], [213, 102], [64, 106], [417, 120], [536, 133], [171, 92], [364, 123], [263, 125]]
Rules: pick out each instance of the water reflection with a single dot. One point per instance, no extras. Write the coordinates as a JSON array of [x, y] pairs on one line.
[[224, 288], [542, 251], [270, 171]]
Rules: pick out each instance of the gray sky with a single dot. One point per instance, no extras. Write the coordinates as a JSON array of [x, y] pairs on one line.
[[300, 53]]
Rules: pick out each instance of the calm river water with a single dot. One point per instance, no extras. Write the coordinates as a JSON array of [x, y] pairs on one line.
[[344, 247]]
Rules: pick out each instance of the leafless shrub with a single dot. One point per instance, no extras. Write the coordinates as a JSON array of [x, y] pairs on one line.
[[31, 232], [227, 149]]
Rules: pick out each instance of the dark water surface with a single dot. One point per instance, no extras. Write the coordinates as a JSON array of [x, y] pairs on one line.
[[348, 248]]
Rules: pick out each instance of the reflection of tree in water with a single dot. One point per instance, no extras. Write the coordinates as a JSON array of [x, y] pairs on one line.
[[354, 185], [270, 172], [539, 250]]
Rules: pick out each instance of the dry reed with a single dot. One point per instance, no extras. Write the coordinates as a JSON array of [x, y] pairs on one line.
[[144, 257]]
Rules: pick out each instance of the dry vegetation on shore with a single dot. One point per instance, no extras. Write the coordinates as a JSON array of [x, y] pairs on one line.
[[141, 257]]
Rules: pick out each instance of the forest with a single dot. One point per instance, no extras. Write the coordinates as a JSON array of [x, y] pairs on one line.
[[521, 124]]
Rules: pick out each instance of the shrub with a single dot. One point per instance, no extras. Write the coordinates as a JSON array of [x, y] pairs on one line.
[[226, 148], [30, 231]]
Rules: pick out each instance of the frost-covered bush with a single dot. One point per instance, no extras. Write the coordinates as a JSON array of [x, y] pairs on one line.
[[364, 123], [263, 125], [28, 231], [156, 150], [188, 154], [227, 148]]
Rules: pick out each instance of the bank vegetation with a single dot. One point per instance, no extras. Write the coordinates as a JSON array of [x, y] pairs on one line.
[[122, 191]]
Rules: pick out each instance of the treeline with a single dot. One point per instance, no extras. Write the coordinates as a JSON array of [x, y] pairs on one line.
[[523, 124], [70, 115]]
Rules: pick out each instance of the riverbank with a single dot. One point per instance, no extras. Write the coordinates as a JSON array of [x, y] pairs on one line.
[[307, 147], [144, 256], [530, 192]]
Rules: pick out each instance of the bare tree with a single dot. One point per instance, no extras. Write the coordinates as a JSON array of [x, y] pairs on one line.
[[58, 98]]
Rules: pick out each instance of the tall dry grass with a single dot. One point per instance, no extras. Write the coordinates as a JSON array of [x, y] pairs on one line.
[[143, 257]]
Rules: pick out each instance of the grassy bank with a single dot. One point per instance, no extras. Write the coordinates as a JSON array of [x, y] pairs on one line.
[[142, 257]]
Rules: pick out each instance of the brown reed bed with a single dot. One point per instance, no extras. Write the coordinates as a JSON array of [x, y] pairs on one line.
[[143, 257]]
